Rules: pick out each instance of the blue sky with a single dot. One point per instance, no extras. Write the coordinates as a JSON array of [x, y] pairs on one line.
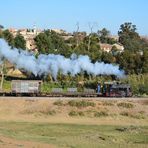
[[65, 14]]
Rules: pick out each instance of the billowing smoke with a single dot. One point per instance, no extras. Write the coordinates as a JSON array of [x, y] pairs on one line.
[[52, 64]]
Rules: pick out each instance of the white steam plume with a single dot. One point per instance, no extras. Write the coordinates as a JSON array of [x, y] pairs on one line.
[[52, 64]]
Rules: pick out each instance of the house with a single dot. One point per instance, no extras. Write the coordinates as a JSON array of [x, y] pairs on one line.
[[13, 31], [108, 47], [105, 47], [59, 31], [119, 47], [30, 44], [28, 34]]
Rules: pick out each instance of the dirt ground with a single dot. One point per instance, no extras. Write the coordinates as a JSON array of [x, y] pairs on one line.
[[36, 109], [6, 142]]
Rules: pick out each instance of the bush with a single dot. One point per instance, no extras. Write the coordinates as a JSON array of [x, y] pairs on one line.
[[52, 112], [143, 89], [81, 103], [100, 114], [72, 103], [125, 114], [139, 83], [49, 112], [58, 103], [136, 116], [106, 103], [73, 113], [81, 113], [125, 105]]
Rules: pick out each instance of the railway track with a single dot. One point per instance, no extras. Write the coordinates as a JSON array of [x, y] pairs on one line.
[[78, 94], [72, 98]]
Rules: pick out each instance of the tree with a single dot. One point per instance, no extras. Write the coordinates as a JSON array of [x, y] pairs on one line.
[[132, 63], [44, 43], [2, 71], [104, 33], [89, 37], [51, 42], [127, 62], [129, 38], [77, 33], [2, 76], [145, 62], [8, 37], [1, 27], [19, 42], [59, 45], [1, 34], [108, 57], [104, 36], [95, 52]]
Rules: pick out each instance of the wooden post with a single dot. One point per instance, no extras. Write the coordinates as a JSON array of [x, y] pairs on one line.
[[2, 77]]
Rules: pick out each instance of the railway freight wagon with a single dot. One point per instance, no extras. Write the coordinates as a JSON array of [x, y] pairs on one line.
[[25, 87]]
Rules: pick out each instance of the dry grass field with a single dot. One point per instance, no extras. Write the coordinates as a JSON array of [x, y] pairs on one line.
[[69, 123]]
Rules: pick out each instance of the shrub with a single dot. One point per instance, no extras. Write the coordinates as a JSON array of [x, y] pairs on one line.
[[124, 113], [100, 114], [73, 113], [125, 105], [143, 89], [81, 103], [72, 103], [58, 103], [48, 112], [51, 112], [81, 113], [138, 83], [106, 103], [136, 116], [142, 112]]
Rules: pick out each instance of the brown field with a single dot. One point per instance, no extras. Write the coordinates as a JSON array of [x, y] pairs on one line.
[[40, 110], [112, 112]]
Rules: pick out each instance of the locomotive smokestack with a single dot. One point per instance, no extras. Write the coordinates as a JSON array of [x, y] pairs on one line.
[[53, 64]]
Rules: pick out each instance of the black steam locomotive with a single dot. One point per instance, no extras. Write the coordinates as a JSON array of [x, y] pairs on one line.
[[114, 89], [33, 88]]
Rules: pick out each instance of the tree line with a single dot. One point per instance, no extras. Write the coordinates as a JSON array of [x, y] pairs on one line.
[[134, 59]]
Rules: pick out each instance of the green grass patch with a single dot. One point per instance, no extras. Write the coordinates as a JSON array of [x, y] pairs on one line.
[[77, 135], [7, 86]]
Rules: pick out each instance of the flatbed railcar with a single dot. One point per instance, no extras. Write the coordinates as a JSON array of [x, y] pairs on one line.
[[33, 88]]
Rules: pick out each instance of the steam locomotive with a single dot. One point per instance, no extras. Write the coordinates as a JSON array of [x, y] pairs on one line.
[[33, 88]]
